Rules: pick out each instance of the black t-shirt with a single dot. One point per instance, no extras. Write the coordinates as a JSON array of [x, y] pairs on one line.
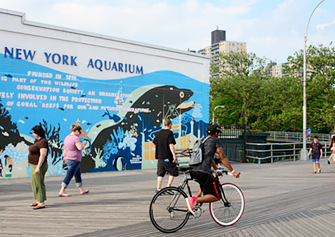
[[210, 146], [162, 141], [316, 147]]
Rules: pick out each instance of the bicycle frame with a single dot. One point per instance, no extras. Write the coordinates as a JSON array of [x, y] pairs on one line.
[[222, 196], [186, 183]]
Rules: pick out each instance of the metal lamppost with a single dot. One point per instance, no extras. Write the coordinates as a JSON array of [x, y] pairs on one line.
[[303, 155], [219, 106]]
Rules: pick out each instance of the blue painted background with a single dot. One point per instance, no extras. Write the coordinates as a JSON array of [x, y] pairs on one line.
[[116, 137]]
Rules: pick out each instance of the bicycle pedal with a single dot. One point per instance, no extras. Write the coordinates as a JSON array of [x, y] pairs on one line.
[[197, 212]]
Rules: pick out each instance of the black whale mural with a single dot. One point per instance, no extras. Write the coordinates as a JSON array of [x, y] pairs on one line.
[[156, 103]]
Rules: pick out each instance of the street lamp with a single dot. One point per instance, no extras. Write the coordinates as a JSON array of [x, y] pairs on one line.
[[303, 155], [219, 106]]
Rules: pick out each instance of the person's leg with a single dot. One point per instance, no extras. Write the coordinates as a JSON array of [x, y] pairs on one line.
[[208, 198], [195, 177], [318, 164], [38, 186], [314, 165], [172, 169], [70, 172], [33, 181], [198, 193], [160, 173], [208, 186], [43, 194], [170, 180], [78, 179], [159, 182]]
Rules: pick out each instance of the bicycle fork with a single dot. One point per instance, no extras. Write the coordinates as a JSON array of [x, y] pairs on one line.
[[224, 199]]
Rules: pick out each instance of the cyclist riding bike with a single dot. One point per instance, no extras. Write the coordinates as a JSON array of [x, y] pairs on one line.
[[202, 173]]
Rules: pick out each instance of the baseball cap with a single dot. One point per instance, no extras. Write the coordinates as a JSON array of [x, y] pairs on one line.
[[212, 129]]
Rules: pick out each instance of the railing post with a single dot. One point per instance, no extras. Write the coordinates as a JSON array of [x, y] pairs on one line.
[[245, 143], [294, 152], [271, 154]]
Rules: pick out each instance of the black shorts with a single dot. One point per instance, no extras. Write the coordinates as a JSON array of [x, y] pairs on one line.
[[163, 167], [315, 156], [207, 182]]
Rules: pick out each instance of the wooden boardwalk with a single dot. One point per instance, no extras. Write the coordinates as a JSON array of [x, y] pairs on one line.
[[282, 199]]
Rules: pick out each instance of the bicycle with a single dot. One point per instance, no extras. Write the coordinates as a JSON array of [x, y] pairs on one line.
[[169, 213]]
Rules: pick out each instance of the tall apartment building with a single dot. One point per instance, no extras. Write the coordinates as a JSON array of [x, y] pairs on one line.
[[218, 36], [220, 45], [277, 70]]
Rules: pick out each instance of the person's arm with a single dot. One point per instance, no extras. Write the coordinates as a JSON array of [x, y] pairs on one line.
[[173, 153], [64, 157], [43, 154], [215, 167], [310, 150], [81, 146], [321, 152], [225, 161]]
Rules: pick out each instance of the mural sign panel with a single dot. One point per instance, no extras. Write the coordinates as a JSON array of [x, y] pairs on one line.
[[119, 91]]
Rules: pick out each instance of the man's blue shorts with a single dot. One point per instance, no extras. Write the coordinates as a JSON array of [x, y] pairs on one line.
[[315, 160]]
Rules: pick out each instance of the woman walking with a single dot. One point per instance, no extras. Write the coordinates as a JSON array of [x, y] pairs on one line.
[[72, 158], [331, 147], [37, 158]]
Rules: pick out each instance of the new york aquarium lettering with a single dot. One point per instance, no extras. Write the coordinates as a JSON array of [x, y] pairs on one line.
[[64, 59]]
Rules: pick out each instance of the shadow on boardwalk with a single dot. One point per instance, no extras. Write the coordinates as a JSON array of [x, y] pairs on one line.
[[282, 199]]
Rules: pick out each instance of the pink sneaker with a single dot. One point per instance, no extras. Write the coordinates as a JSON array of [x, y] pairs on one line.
[[191, 202]]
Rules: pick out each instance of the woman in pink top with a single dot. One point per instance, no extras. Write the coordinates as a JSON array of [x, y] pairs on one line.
[[72, 158]]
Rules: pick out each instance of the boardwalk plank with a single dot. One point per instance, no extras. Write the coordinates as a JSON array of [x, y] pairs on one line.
[[246, 233], [281, 200], [251, 232], [279, 228], [272, 231], [293, 231]]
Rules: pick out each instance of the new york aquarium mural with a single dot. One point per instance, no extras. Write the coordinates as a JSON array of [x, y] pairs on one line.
[[119, 116]]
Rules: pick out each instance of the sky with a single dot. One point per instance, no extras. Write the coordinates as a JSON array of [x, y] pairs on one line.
[[271, 28]]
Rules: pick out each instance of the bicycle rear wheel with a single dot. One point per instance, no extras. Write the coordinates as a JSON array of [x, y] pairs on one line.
[[168, 213], [228, 214]]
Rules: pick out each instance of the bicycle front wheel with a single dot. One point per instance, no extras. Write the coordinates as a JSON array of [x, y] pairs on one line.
[[229, 212], [168, 213]]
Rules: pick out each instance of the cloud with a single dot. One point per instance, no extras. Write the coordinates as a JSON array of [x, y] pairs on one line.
[[323, 26], [276, 31]]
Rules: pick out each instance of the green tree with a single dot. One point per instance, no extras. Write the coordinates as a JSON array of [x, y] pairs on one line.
[[281, 109], [320, 62], [240, 84]]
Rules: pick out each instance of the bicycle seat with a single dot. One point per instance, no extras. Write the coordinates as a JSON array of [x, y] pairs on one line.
[[185, 168]]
